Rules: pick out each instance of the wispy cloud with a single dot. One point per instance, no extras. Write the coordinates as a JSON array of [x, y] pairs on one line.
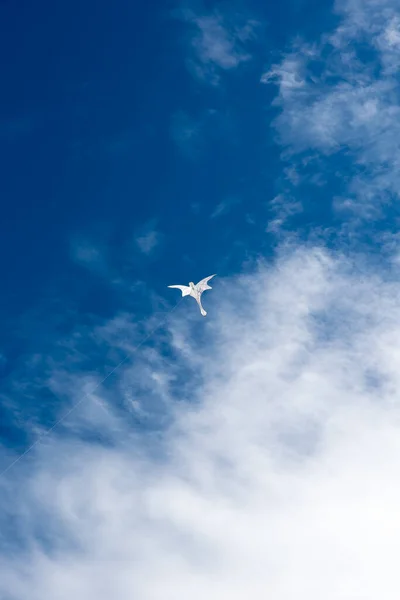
[[276, 477], [87, 254], [219, 42], [340, 97], [224, 207], [148, 240], [282, 207]]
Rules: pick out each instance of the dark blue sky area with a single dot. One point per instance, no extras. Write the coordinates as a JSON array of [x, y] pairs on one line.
[[106, 134]]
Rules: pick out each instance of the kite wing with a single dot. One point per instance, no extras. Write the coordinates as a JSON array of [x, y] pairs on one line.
[[185, 289], [202, 285]]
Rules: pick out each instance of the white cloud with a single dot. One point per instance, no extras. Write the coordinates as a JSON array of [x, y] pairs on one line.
[[147, 238], [219, 43], [148, 242], [277, 478], [282, 208], [342, 95], [214, 44]]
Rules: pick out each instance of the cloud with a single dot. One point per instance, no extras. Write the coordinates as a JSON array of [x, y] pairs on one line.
[[275, 476], [87, 254], [91, 249], [339, 98], [219, 42], [282, 207], [148, 242], [224, 207]]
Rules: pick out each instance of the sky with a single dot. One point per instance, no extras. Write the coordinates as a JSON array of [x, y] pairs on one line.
[[147, 452]]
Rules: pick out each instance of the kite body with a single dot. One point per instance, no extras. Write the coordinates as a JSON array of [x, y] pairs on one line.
[[195, 290]]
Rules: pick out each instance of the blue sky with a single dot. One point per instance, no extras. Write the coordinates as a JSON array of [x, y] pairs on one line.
[[254, 452], [108, 133], [136, 152]]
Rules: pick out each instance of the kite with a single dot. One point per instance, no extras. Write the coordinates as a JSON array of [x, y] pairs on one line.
[[195, 290]]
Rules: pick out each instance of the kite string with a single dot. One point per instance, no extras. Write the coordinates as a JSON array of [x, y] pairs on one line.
[[85, 396]]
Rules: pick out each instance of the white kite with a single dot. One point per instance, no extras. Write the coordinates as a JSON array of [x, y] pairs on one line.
[[195, 290]]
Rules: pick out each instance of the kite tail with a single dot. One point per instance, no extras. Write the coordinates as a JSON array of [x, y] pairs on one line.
[[203, 312]]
